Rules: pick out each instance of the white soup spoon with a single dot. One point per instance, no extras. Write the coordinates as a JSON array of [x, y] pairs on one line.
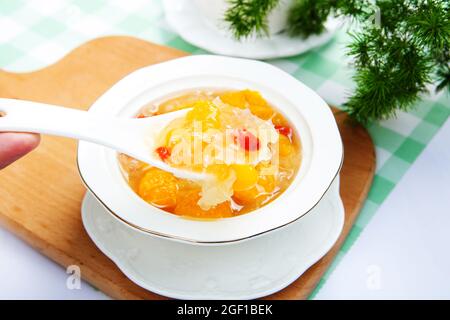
[[132, 136]]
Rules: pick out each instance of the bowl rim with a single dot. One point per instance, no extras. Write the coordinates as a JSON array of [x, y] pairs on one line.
[[176, 69]]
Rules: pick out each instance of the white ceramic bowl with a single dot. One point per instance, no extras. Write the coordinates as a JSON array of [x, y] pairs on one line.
[[313, 120]]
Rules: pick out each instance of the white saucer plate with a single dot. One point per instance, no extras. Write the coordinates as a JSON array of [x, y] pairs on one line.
[[185, 19], [244, 270]]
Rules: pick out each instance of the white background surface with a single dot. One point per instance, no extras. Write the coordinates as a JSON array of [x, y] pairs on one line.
[[404, 252], [391, 258]]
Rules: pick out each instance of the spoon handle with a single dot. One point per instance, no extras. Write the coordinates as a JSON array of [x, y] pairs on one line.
[[122, 134], [27, 116]]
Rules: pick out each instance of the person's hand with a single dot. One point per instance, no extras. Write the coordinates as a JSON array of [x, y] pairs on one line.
[[15, 145]]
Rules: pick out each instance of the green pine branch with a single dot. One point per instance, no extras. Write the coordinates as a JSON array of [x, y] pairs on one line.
[[395, 60], [247, 17], [398, 59], [307, 17]]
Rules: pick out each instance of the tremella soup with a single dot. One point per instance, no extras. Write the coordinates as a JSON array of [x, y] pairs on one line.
[[247, 146]]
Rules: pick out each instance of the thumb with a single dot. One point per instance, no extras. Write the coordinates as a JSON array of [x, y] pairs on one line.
[[15, 145]]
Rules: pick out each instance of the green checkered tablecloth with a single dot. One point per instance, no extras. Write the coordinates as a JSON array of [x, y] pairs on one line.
[[36, 33]]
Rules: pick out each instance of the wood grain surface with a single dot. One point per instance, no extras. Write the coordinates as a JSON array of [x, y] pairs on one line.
[[41, 194]]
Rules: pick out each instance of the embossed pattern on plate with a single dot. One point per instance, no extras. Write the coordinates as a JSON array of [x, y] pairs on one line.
[[245, 270]]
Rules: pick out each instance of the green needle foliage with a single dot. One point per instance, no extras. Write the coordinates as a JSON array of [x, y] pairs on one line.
[[401, 46], [307, 17], [249, 16]]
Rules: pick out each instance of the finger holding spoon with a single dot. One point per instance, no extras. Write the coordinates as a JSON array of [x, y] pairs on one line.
[[13, 146]]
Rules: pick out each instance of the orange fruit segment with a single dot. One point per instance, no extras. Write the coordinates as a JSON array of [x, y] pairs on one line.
[[279, 120], [263, 112], [187, 206], [264, 187], [244, 197], [205, 113], [220, 171], [249, 99], [258, 105], [158, 188], [234, 98], [246, 177], [254, 98], [285, 146]]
